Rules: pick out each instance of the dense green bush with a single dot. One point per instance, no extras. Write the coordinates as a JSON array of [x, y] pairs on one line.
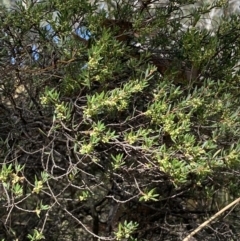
[[119, 120]]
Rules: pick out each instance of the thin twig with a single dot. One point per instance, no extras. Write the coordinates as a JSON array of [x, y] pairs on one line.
[[188, 238]]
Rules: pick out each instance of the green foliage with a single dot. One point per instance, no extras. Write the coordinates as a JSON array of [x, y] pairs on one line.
[[40, 208], [36, 235], [12, 179], [117, 161], [125, 230], [84, 196], [115, 109], [149, 195]]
